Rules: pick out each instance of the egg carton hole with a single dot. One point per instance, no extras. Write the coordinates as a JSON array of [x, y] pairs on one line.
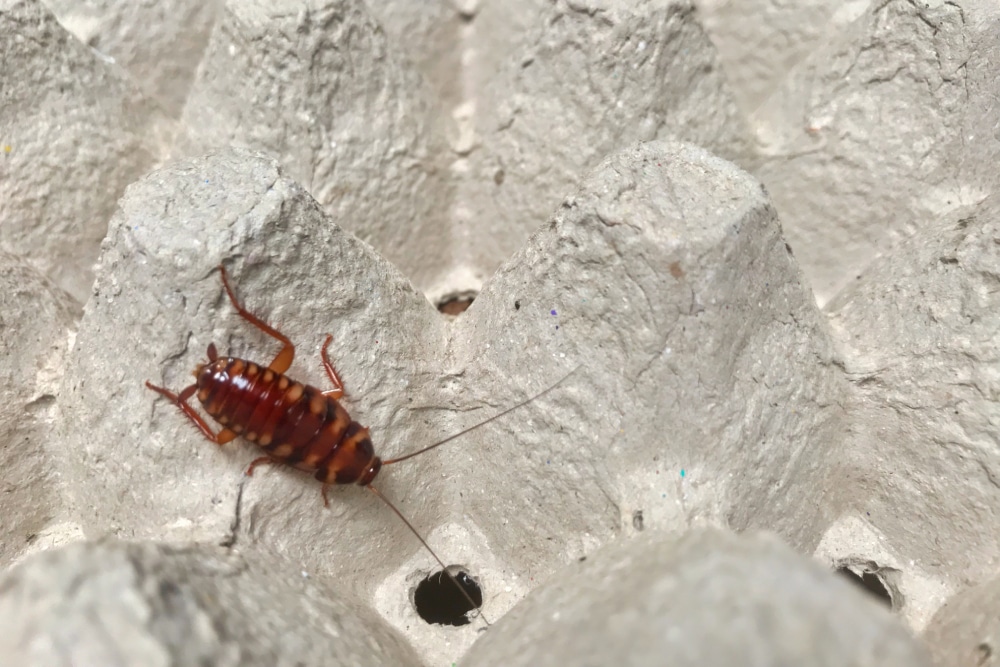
[[438, 600], [456, 303], [870, 582]]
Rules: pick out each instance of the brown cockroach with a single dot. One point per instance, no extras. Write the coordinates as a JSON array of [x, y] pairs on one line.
[[294, 423]]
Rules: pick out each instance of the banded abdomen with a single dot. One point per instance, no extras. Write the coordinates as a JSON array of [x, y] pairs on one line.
[[293, 423]]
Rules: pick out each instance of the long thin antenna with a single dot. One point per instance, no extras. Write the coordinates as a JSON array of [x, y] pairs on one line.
[[444, 568], [413, 530], [484, 422]]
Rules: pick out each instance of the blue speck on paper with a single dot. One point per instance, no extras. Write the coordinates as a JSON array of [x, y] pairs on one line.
[[682, 472], [553, 312]]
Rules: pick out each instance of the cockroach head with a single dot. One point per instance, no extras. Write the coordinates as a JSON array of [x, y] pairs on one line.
[[213, 354]]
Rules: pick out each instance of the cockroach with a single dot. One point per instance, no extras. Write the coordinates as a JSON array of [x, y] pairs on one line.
[[297, 424]]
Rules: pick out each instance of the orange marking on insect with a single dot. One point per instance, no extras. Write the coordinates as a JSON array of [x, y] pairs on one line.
[[315, 431], [283, 451], [295, 393]]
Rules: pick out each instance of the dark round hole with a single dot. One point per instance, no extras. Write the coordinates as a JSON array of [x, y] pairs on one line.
[[456, 304], [869, 582], [438, 599]]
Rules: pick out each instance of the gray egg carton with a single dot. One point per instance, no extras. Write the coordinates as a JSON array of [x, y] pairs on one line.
[[750, 388]]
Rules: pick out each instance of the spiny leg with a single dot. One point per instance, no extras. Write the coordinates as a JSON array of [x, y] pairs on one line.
[[220, 438], [256, 462], [284, 358], [268, 460], [338, 386]]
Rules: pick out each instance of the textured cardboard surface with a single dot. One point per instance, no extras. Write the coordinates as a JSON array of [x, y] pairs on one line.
[[158, 43], [966, 629], [870, 139], [709, 390], [318, 85], [74, 131], [35, 317], [704, 598], [115, 604]]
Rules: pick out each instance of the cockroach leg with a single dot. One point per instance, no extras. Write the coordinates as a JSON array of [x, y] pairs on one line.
[[326, 499], [220, 438], [284, 358], [256, 462], [338, 385]]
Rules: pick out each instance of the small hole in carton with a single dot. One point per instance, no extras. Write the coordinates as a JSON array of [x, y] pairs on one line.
[[983, 653], [439, 601], [456, 304], [869, 582]]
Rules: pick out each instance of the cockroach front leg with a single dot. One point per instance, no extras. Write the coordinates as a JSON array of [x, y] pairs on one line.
[[180, 400]]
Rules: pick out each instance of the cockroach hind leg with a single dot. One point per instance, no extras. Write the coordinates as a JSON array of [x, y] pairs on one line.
[[338, 385], [326, 498]]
